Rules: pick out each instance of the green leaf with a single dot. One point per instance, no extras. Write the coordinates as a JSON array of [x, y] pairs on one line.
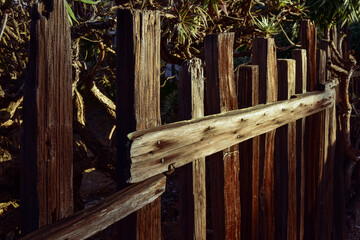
[[71, 13], [89, 2]]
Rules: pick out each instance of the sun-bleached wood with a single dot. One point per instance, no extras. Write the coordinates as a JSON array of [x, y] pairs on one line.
[[247, 80], [137, 103], [192, 189], [155, 150], [300, 87], [47, 163], [94, 219], [220, 96]]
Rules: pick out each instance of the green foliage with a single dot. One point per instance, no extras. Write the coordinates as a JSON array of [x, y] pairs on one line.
[[192, 20], [327, 13], [71, 15], [266, 26], [89, 2]]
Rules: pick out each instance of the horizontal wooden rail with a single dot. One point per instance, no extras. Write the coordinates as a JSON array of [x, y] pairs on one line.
[[98, 217], [159, 149]]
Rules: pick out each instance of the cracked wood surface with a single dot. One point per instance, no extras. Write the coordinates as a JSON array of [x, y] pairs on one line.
[[153, 151], [47, 160]]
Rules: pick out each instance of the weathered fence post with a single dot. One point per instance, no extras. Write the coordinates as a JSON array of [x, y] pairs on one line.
[[320, 192], [220, 96], [264, 55], [314, 130], [308, 42], [138, 104], [300, 87], [192, 176], [285, 159], [247, 82], [329, 148], [47, 162]]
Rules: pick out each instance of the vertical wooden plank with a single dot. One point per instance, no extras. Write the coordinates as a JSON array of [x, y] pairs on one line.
[[138, 104], [264, 55], [324, 131], [338, 231], [329, 149], [308, 42], [314, 131], [300, 87], [247, 82], [192, 176], [285, 159], [224, 166], [47, 164]]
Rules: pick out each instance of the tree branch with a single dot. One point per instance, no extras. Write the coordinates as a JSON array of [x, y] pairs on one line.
[[3, 25]]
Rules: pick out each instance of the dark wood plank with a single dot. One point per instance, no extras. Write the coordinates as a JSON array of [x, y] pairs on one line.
[[308, 42], [264, 55], [285, 159], [247, 81], [300, 87], [324, 133], [92, 220], [155, 150], [138, 103], [47, 163], [192, 176], [224, 166], [329, 153], [314, 143], [339, 231]]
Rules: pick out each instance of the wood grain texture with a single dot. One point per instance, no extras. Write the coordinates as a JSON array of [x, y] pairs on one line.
[[329, 153], [47, 164], [314, 138], [324, 131], [138, 103], [192, 176], [285, 159], [247, 81], [94, 219], [224, 166], [308, 42], [300, 87], [264, 55], [154, 150]]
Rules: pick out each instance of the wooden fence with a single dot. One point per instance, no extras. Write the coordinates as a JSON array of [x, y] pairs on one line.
[[269, 134]]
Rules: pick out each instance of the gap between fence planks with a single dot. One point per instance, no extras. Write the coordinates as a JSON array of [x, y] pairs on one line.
[[90, 221], [154, 150], [192, 176]]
